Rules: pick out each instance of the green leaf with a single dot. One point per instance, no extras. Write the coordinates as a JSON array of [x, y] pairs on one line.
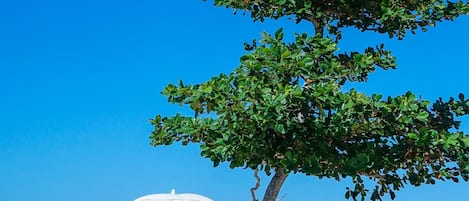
[[207, 89], [280, 128], [376, 97], [285, 54], [279, 34], [423, 116], [412, 136], [392, 194], [289, 155], [374, 195], [347, 195], [362, 160], [297, 91], [308, 61]]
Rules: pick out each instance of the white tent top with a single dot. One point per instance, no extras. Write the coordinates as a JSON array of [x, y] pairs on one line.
[[173, 197]]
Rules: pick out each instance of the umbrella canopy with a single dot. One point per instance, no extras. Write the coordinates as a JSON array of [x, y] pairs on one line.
[[174, 197]]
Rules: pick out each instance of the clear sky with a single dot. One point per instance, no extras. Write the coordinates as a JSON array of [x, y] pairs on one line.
[[79, 81]]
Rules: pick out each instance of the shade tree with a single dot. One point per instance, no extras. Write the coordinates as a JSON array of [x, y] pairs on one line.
[[284, 109]]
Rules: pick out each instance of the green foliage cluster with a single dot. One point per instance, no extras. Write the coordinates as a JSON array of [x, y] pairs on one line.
[[394, 17], [284, 107], [266, 117]]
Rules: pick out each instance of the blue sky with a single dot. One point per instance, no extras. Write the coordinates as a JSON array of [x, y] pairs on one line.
[[79, 81]]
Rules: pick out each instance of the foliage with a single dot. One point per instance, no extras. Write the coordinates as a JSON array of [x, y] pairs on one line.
[[284, 107], [394, 17]]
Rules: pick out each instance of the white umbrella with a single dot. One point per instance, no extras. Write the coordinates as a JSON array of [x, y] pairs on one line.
[[173, 197]]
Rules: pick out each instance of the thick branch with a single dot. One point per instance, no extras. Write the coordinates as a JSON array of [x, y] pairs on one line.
[[275, 184], [258, 183], [318, 28]]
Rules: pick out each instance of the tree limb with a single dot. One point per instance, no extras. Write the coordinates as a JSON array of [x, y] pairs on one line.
[[258, 183], [318, 28]]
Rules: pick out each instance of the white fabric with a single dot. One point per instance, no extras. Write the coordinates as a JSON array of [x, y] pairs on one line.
[[174, 197]]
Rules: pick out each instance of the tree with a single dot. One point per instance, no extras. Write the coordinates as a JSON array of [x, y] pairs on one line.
[[283, 109]]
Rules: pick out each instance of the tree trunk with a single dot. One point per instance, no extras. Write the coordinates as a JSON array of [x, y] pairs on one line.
[[275, 184]]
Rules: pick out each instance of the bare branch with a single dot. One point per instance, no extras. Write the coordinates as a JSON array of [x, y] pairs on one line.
[[258, 183]]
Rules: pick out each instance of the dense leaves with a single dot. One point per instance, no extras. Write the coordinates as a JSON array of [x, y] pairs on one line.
[[284, 108], [394, 17]]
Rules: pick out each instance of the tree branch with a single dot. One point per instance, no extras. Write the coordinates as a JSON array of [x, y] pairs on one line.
[[318, 28], [258, 183]]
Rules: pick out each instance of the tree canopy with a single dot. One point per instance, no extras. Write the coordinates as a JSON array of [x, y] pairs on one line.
[[284, 110], [394, 17]]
